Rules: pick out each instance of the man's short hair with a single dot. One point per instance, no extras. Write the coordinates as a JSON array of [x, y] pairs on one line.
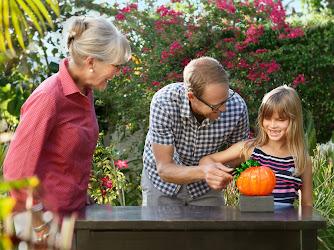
[[202, 71]]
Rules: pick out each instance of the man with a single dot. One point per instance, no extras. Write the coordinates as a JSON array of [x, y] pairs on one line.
[[188, 121]]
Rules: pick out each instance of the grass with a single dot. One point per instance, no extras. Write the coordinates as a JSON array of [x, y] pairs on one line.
[[323, 191]]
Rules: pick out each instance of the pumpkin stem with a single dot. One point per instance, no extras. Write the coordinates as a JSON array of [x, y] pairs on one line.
[[249, 163]]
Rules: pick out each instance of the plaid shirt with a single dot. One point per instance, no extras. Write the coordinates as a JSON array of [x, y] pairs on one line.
[[172, 123]]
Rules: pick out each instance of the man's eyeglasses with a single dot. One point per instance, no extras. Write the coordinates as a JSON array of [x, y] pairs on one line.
[[216, 106]]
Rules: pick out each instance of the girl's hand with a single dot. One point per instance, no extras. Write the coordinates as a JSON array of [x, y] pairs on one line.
[[306, 198]]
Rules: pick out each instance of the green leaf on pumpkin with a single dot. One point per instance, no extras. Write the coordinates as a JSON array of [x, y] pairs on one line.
[[249, 163]]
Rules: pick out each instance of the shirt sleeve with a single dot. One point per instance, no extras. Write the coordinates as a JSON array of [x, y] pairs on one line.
[[160, 125], [241, 131], [37, 119]]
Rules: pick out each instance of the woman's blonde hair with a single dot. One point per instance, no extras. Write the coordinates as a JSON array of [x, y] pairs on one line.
[[202, 71], [98, 38], [286, 102]]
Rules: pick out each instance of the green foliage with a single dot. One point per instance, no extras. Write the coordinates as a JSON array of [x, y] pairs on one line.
[[108, 184], [323, 194], [310, 134], [310, 55], [249, 163], [20, 77], [317, 5], [18, 16], [3, 152], [19, 184], [165, 39], [7, 205]]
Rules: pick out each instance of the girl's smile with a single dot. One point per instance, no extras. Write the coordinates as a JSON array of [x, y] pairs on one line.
[[276, 127]]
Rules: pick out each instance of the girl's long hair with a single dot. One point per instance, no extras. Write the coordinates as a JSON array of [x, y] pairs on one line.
[[286, 102]]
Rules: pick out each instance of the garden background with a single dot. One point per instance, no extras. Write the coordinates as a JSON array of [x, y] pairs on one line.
[[256, 41]]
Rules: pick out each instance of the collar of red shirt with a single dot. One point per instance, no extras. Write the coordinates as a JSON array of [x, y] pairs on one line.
[[69, 86]]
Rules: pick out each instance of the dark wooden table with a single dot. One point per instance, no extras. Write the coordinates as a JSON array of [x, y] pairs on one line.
[[121, 228]]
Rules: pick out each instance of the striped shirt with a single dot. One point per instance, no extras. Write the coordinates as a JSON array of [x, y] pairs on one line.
[[287, 185], [173, 123]]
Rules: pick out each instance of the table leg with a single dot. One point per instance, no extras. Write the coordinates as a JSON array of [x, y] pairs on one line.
[[82, 238], [308, 239]]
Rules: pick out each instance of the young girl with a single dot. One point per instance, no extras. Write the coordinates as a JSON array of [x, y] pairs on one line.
[[279, 145]]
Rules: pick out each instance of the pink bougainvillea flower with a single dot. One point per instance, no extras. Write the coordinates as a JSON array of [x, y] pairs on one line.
[[226, 40], [120, 17], [299, 78], [200, 53], [125, 69], [122, 164]]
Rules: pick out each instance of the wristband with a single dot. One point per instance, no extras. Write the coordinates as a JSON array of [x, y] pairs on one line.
[[37, 208]]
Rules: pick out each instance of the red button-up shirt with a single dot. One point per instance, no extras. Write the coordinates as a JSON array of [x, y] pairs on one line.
[[55, 141]]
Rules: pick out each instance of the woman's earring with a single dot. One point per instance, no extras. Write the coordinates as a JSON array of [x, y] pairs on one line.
[[91, 70]]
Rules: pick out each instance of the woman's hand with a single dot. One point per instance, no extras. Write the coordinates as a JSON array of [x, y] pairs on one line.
[[43, 235]]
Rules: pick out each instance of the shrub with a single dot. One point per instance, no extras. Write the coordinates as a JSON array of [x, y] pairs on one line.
[[252, 39], [323, 186], [108, 184]]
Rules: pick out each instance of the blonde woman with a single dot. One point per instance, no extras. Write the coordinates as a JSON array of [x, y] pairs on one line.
[[58, 129], [279, 145]]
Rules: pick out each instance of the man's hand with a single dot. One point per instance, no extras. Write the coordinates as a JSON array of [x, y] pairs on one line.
[[89, 200], [217, 175]]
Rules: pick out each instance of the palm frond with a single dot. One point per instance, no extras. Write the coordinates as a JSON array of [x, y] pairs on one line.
[[14, 15]]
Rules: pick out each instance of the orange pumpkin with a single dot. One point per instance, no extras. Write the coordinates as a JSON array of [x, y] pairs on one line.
[[256, 181]]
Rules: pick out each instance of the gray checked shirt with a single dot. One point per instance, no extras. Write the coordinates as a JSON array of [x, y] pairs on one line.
[[172, 123]]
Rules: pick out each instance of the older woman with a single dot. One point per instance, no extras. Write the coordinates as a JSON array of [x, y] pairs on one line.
[[58, 129]]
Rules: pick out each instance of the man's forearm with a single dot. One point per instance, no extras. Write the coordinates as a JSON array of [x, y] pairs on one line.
[[178, 174]]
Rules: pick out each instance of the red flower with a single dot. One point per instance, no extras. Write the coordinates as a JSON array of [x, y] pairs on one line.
[[120, 17], [122, 164], [126, 68], [107, 182]]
